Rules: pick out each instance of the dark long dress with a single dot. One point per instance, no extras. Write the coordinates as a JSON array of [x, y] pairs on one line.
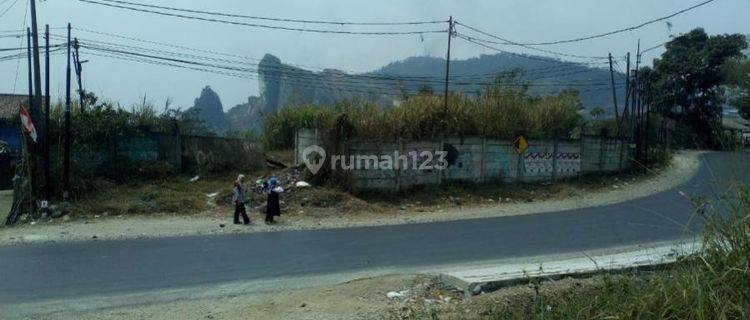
[[272, 206]]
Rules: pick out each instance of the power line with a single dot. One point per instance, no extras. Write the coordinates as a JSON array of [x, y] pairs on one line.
[[373, 90], [509, 42], [256, 25], [631, 28], [285, 71], [233, 15], [536, 71], [8, 9], [654, 47], [547, 59], [308, 76], [24, 48], [18, 62], [23, 54]]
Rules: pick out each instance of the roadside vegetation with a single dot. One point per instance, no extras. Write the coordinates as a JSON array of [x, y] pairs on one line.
[[99, 126], [711, 284], [714, 284], [505, 109]]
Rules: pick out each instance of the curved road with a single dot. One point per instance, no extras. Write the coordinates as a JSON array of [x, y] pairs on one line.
[[31, 273]]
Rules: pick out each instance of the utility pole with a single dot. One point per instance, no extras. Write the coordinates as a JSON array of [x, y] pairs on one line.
[[614, 93], [29, 156], [66, 148], [77, 64], [447, 69], [637, 104], [627, 86], [647, 109], [30, 67], [47, 183], [623, 123], [36, 110]]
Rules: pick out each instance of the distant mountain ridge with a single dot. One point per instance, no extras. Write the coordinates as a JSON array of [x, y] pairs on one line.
[[287, 85], [545, 76]]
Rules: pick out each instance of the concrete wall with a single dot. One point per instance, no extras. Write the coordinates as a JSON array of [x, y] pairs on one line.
[[304, 138], [219, 154], [480, 160], [185, 154]]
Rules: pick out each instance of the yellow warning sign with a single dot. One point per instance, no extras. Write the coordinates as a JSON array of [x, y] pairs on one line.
[[521, 144]]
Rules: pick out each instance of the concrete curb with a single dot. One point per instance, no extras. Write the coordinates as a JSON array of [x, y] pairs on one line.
[[478, 280]]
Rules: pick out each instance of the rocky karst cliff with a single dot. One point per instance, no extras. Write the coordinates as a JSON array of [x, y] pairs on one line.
[[207, 107]]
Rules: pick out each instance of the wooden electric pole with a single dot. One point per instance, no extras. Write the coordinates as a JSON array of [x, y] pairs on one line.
[[47, 182], [614, 92], [77, 65], [637, 104], [627, 87], [623, 123], [66, 146], [447, 69], [30, 68], [36, 110]]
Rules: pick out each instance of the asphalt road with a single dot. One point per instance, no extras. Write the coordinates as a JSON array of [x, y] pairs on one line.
[[62, 270]]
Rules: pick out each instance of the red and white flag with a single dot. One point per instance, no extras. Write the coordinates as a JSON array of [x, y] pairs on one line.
[[27, 124]]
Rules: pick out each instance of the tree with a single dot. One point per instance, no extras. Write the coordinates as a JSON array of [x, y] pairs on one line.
[[737, 72], [597, 112], [689, 77]]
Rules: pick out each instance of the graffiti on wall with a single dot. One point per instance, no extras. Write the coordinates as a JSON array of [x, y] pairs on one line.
[[541, 163]]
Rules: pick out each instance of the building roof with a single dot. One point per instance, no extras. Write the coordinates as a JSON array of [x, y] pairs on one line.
[[9, 104]]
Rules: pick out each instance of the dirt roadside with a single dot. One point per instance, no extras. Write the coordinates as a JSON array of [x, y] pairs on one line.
[[683, 167], [384, 297]]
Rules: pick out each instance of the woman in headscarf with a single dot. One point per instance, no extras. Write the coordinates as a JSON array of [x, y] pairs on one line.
[[273, 207], [238, 195]]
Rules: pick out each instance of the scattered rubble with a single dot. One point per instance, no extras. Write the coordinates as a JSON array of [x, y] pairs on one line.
[[302, 184]]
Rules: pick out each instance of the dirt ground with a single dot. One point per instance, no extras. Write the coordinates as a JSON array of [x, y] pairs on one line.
[[318, 208], [385, 297]]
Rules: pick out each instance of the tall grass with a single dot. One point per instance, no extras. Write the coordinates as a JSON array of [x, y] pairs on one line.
[[714, 284], [504, 110]]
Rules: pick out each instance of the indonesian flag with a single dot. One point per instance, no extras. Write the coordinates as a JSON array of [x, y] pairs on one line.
[[27, 124]]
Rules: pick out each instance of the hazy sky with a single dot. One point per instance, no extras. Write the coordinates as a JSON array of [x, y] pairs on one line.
[[526, 21]]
